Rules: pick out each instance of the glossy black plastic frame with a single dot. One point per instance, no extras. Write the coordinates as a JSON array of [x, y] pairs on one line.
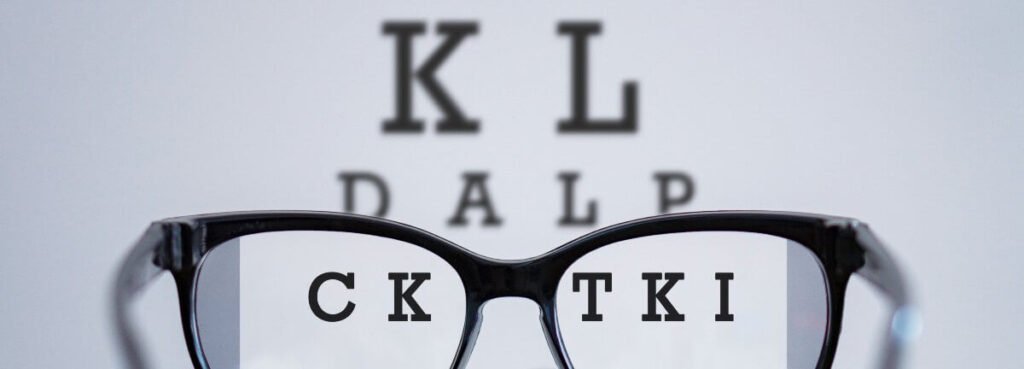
[[843, 246]]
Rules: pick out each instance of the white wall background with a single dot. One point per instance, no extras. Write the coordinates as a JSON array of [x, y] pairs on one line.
[[905, 114]]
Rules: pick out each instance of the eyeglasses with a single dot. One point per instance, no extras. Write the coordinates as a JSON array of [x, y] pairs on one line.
[[723, 289]]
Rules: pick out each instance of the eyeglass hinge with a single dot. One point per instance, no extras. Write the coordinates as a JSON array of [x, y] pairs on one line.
[[172, 254], [848, 255]]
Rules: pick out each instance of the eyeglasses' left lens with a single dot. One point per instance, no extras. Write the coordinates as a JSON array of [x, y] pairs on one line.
[[327, 300]]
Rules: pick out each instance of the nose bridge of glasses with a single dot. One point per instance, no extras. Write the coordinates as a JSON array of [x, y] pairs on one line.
[[491, 279], [514, 278]]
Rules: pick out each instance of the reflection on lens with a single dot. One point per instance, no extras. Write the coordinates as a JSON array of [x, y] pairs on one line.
[[327, 300], [700, 300]]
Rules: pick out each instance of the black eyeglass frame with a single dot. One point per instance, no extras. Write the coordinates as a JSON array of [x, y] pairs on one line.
[[843, 246]]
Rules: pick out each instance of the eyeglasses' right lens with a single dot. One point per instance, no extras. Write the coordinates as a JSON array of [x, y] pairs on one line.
[[699, 300], [327, 300]]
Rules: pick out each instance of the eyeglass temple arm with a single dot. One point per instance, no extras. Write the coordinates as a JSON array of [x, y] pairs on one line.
[[880, 270], [138, 269]]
